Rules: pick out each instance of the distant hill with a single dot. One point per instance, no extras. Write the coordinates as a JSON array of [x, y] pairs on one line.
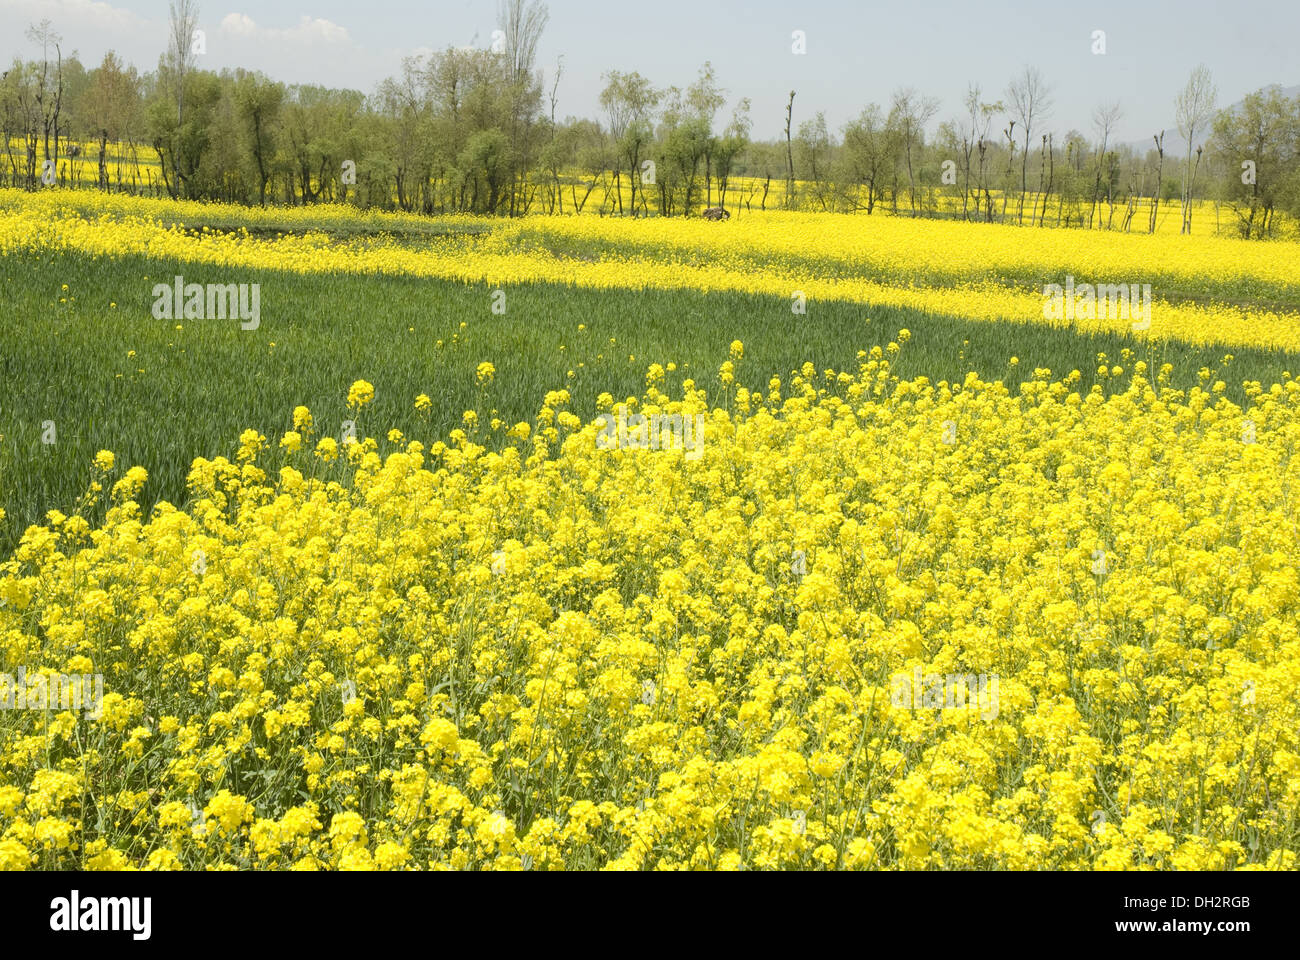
[[1175, 149]]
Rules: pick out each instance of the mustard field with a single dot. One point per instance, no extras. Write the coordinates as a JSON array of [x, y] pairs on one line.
[[1206, 290], [794, 541]]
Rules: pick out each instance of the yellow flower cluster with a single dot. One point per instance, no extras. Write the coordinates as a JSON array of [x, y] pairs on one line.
[[560, 656]]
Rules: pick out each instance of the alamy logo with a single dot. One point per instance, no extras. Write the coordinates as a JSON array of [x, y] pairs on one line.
[[952, 691], [215, 301], [133, 914], [57, 691], [656, 431], [1106, 301]]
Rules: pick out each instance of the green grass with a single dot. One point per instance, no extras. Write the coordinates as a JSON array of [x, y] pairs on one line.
[[202, 385]]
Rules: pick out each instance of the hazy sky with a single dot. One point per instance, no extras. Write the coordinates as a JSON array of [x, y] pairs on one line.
[[857, 50]]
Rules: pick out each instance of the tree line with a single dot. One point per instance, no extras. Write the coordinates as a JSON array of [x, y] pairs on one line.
[[476, 130]]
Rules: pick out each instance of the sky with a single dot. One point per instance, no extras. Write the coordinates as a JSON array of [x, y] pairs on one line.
[[857, 51]]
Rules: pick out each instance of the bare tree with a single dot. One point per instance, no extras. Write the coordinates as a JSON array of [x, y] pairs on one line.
[[789, 154], [1049, 152], [184, 21], [180, 53], [522, 24], [1104, 119], [48, 102], [974, 137], [552, 153], [1195, 108], [1030, 101], [1009, 131], [1160, 173]]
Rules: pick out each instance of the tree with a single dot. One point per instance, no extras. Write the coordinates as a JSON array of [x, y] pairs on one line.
[[1104, 119], [591, 155], [258, 102], [1194, 108], [682, 142], [486, 160], [629, 101], [975, 139], [705, 98], [181, 147], [909, 112], [789, 154], [184, 21], [1160, 169], [1256, 144], [1030, 102], [815, 149], [21, 121], [315, 122], [869, 154], [48, 91], [111, 106], [730, 145], [551, 156], [523, 24]]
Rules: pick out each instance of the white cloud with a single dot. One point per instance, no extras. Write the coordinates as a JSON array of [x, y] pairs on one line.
[[324, 29], [69, 16], [309, 30], [239, 23], [313, 50]]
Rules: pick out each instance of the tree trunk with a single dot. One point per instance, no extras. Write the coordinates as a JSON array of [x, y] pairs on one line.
[[103, 163], [1155, 193], [789, 153]]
